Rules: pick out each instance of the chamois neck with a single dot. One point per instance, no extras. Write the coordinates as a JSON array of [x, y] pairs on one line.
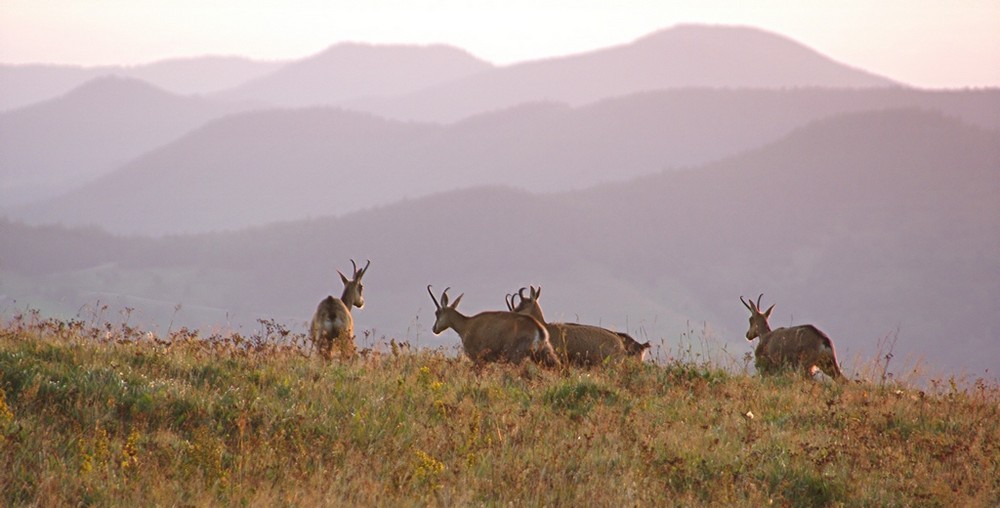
[[348, 297], [764, 332], [536, 312], [765, 327], [458, 321]]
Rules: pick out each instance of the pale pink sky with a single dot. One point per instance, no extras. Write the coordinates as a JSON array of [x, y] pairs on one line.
[[929, 43]]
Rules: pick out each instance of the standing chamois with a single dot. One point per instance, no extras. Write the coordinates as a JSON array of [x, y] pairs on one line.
[[798, 347], [495, 336], [332, 328], [576, 343]]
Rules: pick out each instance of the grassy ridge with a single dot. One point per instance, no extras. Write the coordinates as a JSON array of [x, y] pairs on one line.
[[109, 415]]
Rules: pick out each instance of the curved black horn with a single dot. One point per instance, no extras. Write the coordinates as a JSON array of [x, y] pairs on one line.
[[745, 304], [510, 302], [520, 293], [444, 297], [758, 301], [436, 304]]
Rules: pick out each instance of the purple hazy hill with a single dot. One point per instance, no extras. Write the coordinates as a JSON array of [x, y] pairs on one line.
[[680, 57], [23, 85], [54, 145], [291, 159], [351, 71]]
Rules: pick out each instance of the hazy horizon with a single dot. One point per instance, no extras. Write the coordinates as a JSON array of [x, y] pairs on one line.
[[922, 44]]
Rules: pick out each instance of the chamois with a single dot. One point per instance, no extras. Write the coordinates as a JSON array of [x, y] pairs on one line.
[[797, 347], [332, 326], [580, 344], [494, 336]]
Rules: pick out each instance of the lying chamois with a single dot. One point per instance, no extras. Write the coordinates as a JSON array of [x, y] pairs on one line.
[[495, 336], [579, 344], [798, 347], [332, 326]]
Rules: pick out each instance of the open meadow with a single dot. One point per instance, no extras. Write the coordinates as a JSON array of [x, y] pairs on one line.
[[112, 415]]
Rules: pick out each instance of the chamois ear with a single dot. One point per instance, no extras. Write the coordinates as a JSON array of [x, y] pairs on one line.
[[767, 313], [535, 293], [455, 303], [343, 278]]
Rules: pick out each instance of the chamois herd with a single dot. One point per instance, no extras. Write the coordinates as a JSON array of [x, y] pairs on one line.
[[521, 332]]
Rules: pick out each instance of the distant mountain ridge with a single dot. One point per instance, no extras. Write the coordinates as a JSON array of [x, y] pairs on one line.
[[52, 146], [443, 83], [350, 71], [23, 85], [294, 159], [685, 56]]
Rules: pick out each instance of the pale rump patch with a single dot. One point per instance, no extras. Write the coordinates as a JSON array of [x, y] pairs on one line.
[[537, 342], [330, 324]]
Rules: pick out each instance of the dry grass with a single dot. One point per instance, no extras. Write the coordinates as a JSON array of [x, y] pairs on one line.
[[109, 415]]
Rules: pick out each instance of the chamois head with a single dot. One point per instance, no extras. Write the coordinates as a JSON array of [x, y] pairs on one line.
[[352, 287], [528, 304], [442, 316], [758, 319], [633, 347]]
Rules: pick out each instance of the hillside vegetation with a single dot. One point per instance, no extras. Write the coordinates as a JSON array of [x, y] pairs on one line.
[[108, 414]]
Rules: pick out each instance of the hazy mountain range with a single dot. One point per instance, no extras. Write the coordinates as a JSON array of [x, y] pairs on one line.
[[353, 71], [63, 141], [439, 82], [23, 85], [682, 57], [645, 186], [52, 146], [263, 166]]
